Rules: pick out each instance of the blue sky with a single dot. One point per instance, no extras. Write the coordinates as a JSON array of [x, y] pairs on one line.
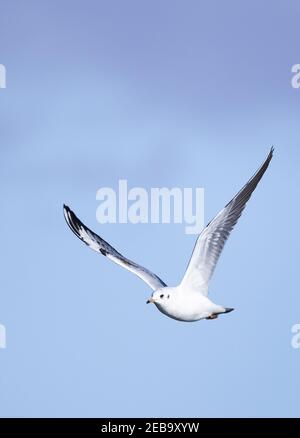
[[173, 93]]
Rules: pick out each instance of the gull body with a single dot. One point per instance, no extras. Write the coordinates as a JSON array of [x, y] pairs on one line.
[[189, 300], [186, 305]]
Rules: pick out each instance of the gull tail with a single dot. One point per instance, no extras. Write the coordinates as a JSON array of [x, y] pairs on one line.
[[228, 309]]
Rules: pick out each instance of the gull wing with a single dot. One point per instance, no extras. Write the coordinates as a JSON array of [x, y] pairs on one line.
[[96, 243], [212, 239]]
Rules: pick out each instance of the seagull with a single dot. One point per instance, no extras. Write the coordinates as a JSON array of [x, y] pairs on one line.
[[189, 300]]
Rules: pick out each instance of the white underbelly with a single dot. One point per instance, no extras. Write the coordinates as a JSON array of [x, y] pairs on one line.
[[189, 310]]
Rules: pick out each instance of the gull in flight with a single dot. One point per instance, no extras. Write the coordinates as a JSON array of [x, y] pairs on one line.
[[189, 301]]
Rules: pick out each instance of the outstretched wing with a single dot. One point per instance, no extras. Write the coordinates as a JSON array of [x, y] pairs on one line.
[[212, 239], [99, 245]]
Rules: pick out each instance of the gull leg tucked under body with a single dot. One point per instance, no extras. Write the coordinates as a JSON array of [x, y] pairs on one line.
[[189, 300]]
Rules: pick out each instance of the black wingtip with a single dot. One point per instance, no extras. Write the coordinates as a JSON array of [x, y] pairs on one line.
[[270, 156], [70, 218], [66, 211], [72, 221], [69, 214]]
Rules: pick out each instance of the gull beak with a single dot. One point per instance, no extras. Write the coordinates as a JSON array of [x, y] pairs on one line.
[[151, 300]]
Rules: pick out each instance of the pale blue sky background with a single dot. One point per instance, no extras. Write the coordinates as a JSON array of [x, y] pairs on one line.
[[162, 93]]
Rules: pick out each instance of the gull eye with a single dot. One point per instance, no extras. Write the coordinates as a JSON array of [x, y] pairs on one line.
[[168, 296], [162, 295]]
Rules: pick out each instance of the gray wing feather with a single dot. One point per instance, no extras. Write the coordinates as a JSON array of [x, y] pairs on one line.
[[98, 244], [212, 239]]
